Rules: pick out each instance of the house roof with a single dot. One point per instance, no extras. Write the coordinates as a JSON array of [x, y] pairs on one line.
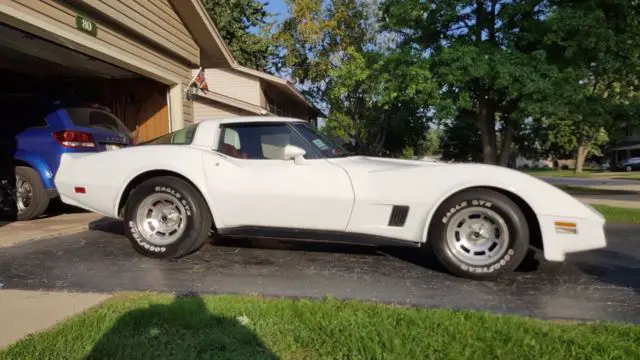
[[214, 96], [280, 83], [214, 53]]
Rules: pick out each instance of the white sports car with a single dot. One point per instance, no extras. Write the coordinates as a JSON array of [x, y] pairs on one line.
[[281, 178]]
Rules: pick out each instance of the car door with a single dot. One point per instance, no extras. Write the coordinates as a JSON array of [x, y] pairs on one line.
[[253, 185]]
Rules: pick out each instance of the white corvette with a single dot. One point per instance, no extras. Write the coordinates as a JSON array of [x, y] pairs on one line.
[[280, 178]]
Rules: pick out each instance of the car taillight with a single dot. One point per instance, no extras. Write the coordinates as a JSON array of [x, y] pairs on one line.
[[75, 139]]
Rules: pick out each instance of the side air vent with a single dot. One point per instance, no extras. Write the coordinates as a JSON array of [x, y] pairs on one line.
[[398, 215]]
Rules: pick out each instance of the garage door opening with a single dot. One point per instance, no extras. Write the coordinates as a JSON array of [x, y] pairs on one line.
[[38, 76]]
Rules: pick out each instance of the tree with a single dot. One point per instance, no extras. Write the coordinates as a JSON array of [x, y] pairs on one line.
[[377, 97], [378, 101], [461, 138], [478, 56], [234, 20], [597, 43], [315, 37]]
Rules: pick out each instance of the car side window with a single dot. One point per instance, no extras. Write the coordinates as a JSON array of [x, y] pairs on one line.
[[260, 141]]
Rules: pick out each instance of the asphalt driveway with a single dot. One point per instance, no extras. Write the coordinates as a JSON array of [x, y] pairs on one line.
[[599, 285]]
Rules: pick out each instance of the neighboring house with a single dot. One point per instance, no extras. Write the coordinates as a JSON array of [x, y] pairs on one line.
[[134, 56], [626, 145], [240, 91]]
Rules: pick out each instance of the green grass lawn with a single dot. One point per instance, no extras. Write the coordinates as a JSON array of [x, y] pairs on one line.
[[149, 326], [618, 215]]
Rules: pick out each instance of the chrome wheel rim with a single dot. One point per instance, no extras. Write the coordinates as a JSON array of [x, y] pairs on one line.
[[24, 194], [161, 219], [477, 236]]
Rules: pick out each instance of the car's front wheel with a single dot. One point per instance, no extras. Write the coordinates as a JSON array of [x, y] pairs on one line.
[[479, 234], [166, 217]]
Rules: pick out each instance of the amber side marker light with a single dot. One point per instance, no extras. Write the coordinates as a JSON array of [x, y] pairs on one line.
[[566, 227]]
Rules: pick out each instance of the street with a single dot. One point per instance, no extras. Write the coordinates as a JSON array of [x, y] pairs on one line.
[[599, 285], [622, 183]]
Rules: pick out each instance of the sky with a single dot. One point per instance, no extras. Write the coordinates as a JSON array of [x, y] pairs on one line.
[[278, 7]]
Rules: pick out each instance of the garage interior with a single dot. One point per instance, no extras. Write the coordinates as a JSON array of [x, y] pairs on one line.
[[36, 71], [34, 67]]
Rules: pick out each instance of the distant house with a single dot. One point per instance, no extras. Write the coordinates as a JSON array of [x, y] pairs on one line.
[[240, 91], [626, 145]]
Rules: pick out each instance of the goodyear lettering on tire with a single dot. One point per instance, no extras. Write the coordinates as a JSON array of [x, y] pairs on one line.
[[493, 268], [136, 235]]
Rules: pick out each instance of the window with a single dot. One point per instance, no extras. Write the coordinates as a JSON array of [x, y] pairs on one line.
[[260, 141], [327, 147], [183, 136], [279, 108], [91, 117]]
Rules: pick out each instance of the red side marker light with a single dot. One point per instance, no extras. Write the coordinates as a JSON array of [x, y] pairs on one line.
[[80, 190]]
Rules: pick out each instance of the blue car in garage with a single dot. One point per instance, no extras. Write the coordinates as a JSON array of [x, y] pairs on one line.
[[38, 133]]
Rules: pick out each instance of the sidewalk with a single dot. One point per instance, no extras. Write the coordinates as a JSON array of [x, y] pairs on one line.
[[12, 233], [623, 201], [26, 312]]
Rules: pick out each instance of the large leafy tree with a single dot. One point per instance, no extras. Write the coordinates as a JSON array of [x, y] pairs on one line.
[[378, 102], [597, 44], [479, 59], [377, 97], [564, 64], [315, 37], [235, 20]]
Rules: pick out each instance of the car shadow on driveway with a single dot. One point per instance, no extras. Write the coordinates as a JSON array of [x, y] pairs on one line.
[[412, 255]]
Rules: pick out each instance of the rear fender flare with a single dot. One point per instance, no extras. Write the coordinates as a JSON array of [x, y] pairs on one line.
[[199, 187], [34, 161]]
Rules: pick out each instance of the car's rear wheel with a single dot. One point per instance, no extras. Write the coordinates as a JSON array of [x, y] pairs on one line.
[[166, 217], [479, 234], [31, 197]]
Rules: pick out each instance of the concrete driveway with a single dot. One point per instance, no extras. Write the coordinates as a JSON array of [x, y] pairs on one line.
[[599, 285]]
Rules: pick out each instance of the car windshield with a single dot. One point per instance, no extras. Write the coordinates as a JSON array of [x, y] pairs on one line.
[[320, 141]]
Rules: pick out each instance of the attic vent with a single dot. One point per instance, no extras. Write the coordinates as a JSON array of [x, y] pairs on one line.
[[398, 215]]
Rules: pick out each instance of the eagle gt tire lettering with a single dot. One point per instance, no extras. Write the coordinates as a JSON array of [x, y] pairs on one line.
[[482, 222], [172, 208]]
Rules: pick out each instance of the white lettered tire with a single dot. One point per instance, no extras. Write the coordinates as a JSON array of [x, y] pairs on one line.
[[479, 234], [166, 217]]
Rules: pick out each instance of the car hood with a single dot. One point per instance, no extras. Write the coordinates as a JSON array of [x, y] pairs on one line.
[[377, 164]]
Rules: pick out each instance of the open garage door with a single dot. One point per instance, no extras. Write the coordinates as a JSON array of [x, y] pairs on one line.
[[37, 74], [33, 66]]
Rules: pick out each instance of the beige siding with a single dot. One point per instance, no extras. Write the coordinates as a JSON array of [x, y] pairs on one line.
[[63, 15], [208, 109], [187, 104], [162, 23], [154, 22], [233, 84]]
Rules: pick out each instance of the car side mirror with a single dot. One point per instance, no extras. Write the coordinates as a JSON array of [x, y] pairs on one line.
[[295, 153]]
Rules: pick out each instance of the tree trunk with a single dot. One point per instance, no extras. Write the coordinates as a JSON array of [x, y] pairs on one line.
[[583, 150], [486, 122], [507, 142]]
